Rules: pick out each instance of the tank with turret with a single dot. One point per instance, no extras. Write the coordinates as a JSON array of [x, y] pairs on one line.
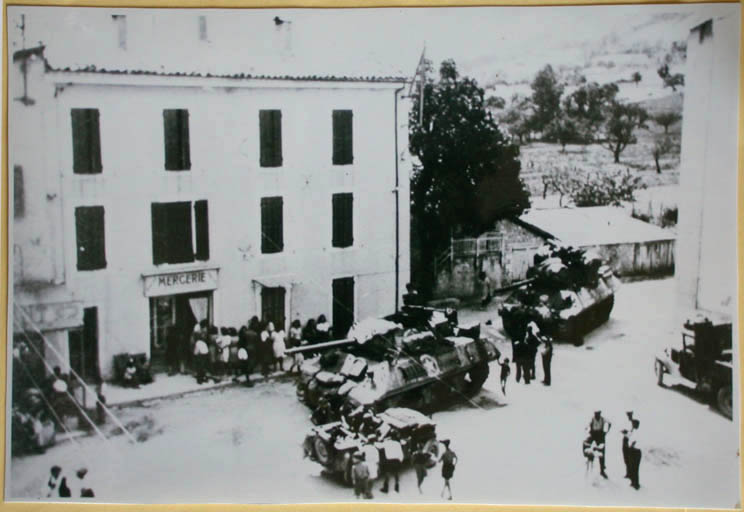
[[569, 292], [413, 358]]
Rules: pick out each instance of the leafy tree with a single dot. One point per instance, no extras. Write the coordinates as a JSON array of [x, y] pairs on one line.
[[587, 105], [546, 98], [467, 174], [495, 103], [517, 116], [604, 189], [671, 80], [564, 130], [666, 119], [662, 146], [562, 181], [621, 120], [636, 78]]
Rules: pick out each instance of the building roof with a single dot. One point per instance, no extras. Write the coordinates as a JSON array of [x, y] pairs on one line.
[[597, 225], [210, 43]]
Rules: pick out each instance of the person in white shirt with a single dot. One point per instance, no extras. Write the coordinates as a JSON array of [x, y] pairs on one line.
[[50, 488], [634, 454]]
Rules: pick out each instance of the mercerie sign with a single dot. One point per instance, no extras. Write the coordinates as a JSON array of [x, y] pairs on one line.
[[180, 282]]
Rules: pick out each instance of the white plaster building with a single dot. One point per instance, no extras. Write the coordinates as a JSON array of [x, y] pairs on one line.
[[163, 173]]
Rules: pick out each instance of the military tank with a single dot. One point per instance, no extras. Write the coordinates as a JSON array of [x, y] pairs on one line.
[[568, 292], [411, 359]]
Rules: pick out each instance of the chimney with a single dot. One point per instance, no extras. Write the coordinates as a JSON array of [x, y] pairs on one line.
[[121, 25]]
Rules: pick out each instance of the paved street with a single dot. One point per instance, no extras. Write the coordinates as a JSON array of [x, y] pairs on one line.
[[244, 445]]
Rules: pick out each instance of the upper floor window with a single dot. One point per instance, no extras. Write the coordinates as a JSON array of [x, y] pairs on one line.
[[86, 141], [343, 220], [343, 145], [176, 231], [270, 122], [91, 239], [176, 130], [272, 225]]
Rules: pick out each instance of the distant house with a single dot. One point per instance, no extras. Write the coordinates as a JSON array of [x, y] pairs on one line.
[[630, 246]]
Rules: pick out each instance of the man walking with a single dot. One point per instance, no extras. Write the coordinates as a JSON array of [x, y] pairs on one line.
[[626, 433], [634, 455], [546, 352], [598, 429], [420, 459], [449, 461]]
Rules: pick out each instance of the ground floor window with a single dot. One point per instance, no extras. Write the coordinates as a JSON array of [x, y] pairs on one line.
[[343, 306], [172, 320], [272, 306]]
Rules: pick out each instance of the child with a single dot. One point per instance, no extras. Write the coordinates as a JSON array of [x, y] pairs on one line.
[[223, 346], [130, 374], [505, 371], [278, 346]]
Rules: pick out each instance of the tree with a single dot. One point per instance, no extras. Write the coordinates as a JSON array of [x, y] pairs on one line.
[[662, 146], [636, 78], [517, 116], [666, 119], [495, 103], [564, 130], [546, 98], [621, 120], [467, 174], [671, 80], [604, 189], [587, 105], [562, 181]]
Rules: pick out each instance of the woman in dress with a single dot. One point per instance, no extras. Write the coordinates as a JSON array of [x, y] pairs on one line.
[[278, 347]]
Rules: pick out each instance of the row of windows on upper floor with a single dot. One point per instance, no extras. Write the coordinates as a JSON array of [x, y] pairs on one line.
[[180, 230], [86, 139]]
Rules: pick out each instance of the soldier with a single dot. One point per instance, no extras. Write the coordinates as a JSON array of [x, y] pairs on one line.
[[634, 455], [546, 353], [392, 460], [598, 429]]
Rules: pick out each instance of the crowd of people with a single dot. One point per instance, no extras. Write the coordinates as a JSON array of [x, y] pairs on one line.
[[213, 353]]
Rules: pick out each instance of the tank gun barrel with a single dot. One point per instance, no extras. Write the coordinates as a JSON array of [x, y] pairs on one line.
[[320, 346]]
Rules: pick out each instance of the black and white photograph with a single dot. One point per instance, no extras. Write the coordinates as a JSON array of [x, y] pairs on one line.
[[389, 255]]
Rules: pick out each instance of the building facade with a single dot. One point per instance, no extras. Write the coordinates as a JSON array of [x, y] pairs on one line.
[[145, 200]]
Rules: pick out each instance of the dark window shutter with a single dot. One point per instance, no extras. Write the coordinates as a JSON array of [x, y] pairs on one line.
[[171, 233], [272, 306], [343, 137], [86, 141], [201, 222], [343, 220], [176, 136], [90, 234], [270, 134], [343, 306], [19, 199], [272, 228]]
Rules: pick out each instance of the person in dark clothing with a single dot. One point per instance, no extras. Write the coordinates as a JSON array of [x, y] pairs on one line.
[[411, 297], [626, 433], [449, 461], [598, 429], [392, 460], [546, 352], [173, 349], [420, 460], [634, 455], [532, 342], [520, 355], [505, 371], [245, 359]]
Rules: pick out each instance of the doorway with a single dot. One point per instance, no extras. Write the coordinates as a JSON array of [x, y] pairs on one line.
[[83, 346], [272, 306], [182, 311]]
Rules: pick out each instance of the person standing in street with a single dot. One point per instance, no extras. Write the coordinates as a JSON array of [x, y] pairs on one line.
[[50, 488], [420, 459], [598, 429], [634, 455], [449, 461], [392, 460], [546, 353], [360, 477], [505, 371], [626, 433], [486, 289]]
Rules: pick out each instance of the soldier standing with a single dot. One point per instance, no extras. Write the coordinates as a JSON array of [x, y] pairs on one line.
[[546, 352], [360, 477], [598, 429]]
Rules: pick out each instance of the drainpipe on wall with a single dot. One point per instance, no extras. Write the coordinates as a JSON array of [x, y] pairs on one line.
[[397, 205]]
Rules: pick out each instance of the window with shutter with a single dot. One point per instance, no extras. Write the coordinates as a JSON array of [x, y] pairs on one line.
[[176, 135], [343, 220], [91, 240], [19, 199], [201, 226], [270, 128], [86, 141], [272, 228], [343, 306], [343, 145], [172, 233]]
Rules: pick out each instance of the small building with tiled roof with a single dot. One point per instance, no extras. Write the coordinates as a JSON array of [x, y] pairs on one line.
[[173, 166]]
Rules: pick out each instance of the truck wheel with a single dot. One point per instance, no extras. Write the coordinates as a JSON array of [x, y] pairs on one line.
[[724, 401], [659, 371], [322, 451]]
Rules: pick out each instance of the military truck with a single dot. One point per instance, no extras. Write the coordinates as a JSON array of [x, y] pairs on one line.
[[702, 361], [334, 444], [568, 292], [413, 358]]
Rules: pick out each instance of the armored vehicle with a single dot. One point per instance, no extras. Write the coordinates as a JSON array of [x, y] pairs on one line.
[[568, 293], [703, 361], [333, 445], [413, 358]]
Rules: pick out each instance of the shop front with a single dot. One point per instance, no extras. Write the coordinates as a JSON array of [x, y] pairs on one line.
[[178, 300]]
